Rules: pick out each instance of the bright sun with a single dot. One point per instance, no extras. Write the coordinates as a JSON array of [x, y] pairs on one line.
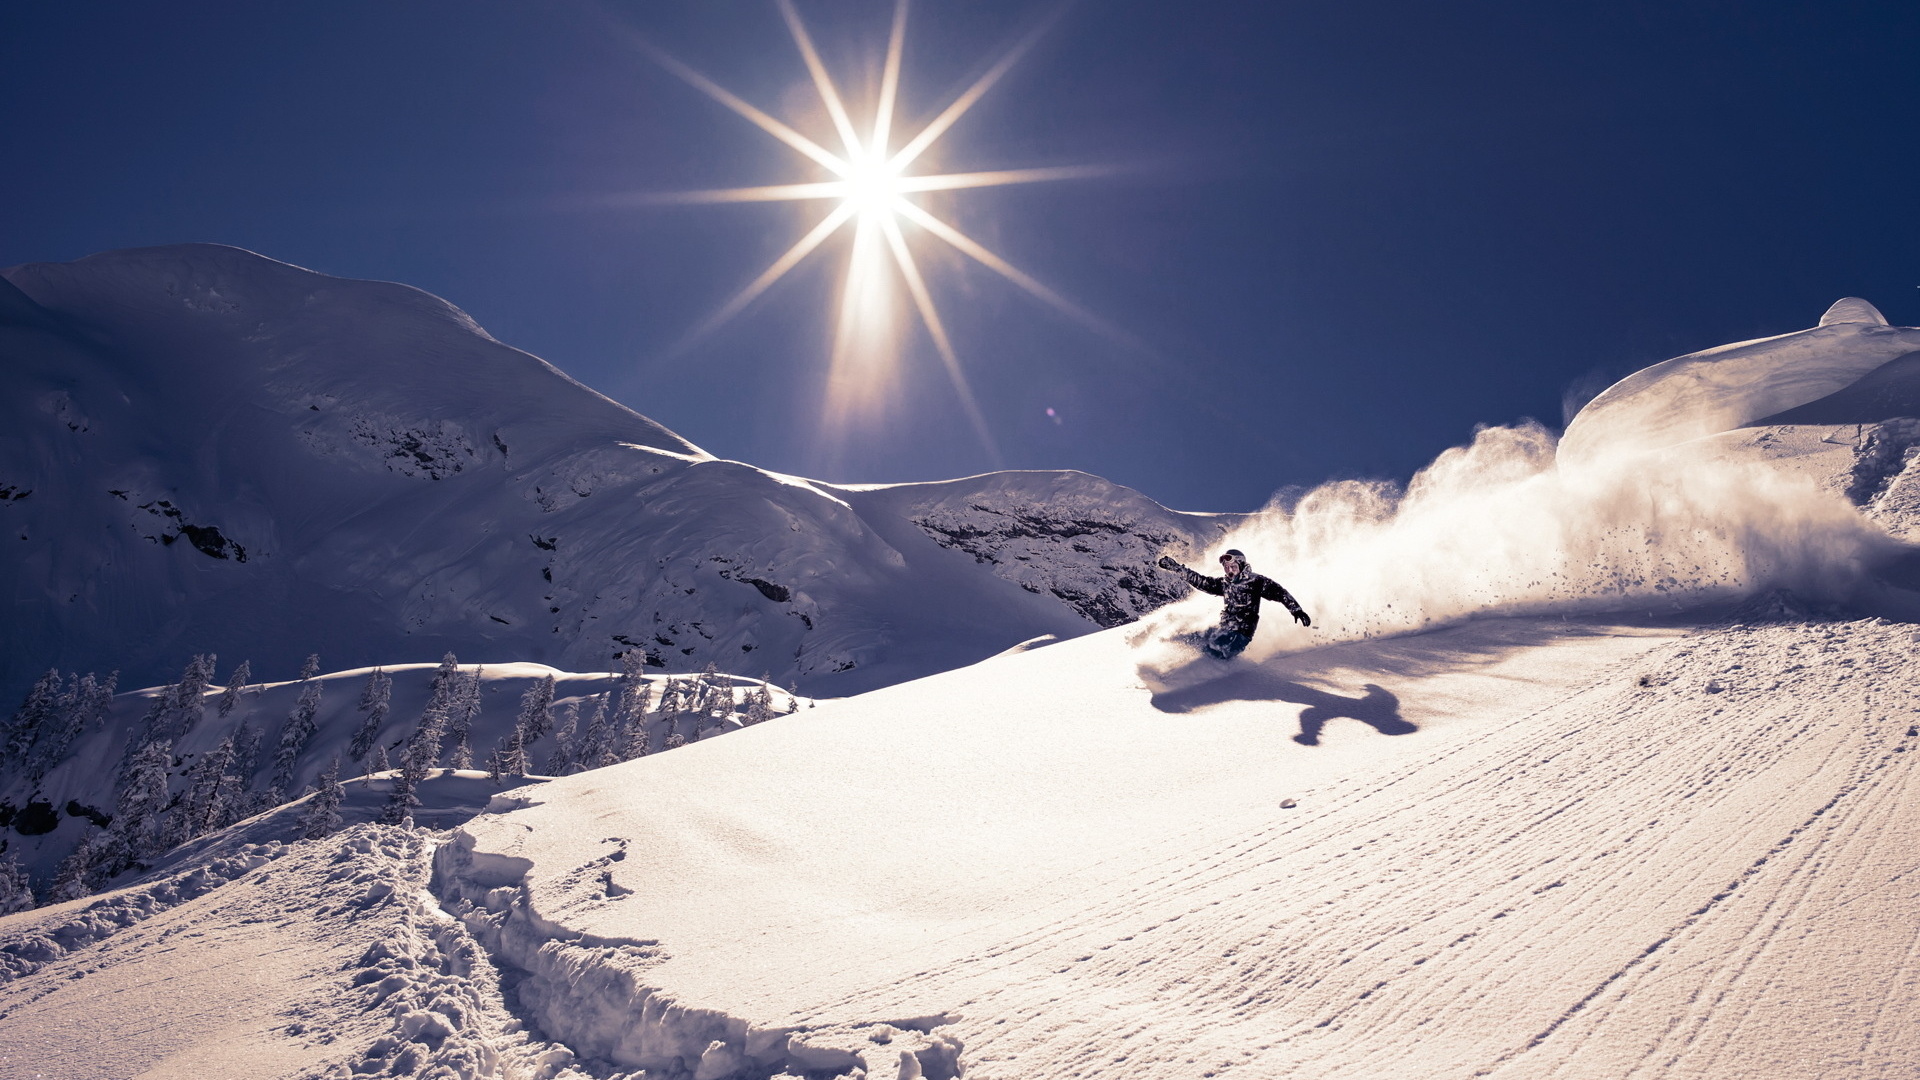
[[872, 191]]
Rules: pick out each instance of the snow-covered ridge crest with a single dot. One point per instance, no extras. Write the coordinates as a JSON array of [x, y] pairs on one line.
[[1717, 389], [400, 485]]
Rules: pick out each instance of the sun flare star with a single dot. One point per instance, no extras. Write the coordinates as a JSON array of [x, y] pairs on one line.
[[871, 191]]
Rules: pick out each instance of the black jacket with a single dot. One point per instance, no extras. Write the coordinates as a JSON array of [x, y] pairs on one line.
[[1243, 595]]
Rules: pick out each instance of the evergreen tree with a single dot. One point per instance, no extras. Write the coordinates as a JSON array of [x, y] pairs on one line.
[[759, 704], [560, 758], [636, 697], [236, 685], [535, 719], [401, 800], [422, 751], [376, 698], [511, 757], [638, 743], [322, 815], [81, 872], [674, 699], [594, 746], [462, 755], [793, 697], [379, 764], [676, 740], [16, 894], [299, 727], [206, 803], [34, 712], [462, 711], [139, 821], [190, 695], [73, 713], [246, 753]]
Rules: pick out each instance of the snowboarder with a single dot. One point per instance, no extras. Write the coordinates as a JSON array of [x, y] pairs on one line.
[[1243, 590]]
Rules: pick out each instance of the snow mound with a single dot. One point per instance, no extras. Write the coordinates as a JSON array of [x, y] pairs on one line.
[[1852, 309]]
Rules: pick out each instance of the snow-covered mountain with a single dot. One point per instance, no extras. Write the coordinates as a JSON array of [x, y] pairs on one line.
[[1598, 761], [209, 451]]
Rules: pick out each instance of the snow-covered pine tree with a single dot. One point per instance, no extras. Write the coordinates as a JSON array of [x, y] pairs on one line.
[[401, 800], [190, 695], [205, 804], [246, 752], [16, 894], [139, 821], [81, 872], [376, 698], [535, 719], [593, 747], [560, 758], [34, 713], [638, 742], [462, 711], [462, 755], [93, 711], [759, 704], [379, 764], [322, 815], [793, 697], [422, 752], [236, 685], [674, 701], [510, 759], [57, 733], [299, 727]]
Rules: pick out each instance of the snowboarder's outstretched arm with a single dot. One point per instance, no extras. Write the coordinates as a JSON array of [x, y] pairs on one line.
[[1214, 585], [1272, 590]]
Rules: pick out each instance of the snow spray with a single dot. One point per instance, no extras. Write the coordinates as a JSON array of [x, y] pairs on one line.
[[1499, 527]]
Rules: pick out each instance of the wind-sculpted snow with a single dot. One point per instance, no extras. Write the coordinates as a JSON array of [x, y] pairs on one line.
[[1726, 387]]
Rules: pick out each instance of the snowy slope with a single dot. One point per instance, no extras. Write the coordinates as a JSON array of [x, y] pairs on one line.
[[213, 451], [1519, 848], [1591, 766]]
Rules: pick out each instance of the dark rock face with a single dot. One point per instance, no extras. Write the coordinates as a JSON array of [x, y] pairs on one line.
[[1099, 564]]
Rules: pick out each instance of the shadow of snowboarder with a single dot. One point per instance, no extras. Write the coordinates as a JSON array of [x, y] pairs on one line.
[[1378, 708]]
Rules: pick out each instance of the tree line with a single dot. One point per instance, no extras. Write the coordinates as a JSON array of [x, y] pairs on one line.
[[219, 788]]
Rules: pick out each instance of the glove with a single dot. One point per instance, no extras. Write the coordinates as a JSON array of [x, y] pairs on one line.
[[1167, 562], [1302, 618]]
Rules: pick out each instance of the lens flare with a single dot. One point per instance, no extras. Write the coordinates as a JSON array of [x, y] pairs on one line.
[[872, 191]]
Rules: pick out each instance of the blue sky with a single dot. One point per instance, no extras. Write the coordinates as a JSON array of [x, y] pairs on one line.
[[1345, 234]]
